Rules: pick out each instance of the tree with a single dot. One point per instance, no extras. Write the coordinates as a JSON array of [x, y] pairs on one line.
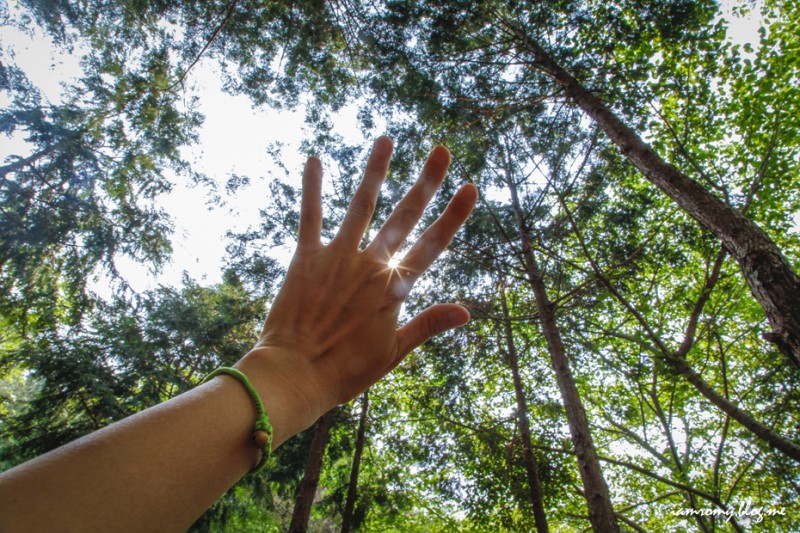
[[687, 407], [352, 487], [85, 194], [308, 486], [128, 354], [771, 278], [531, 466], [601, 511]]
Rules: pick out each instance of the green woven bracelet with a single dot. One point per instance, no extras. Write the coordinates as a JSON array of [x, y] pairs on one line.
[[262, 431]]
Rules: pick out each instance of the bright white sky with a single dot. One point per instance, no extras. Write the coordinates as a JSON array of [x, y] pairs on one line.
[[233, 139]]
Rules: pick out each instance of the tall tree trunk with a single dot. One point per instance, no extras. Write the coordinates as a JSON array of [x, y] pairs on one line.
[[531, 467], [772, 281], [350, 502], [598, 499], [308, 486]]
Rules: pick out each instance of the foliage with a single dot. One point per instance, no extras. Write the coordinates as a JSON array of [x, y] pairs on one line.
[[641, 292], [86, 193]]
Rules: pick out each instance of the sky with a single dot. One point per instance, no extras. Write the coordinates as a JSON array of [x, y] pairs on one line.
[[233, 139]]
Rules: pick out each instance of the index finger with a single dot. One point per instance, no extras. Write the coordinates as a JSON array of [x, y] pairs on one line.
[[311, 204]]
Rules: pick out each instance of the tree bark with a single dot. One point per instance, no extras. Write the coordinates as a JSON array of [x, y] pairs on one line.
[[771, 279], [350, 502], [308, 485], [531, 467], [601, 512]]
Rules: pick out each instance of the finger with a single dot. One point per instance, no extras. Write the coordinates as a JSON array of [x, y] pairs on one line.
[[311, 204], [436, 238], [408, 212], [362, 206], [429, 323]]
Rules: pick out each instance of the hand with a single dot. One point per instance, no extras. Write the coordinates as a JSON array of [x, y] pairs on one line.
[[332, 330]]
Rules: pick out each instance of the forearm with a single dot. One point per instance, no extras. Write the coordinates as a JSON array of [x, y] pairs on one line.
[[158, 470]]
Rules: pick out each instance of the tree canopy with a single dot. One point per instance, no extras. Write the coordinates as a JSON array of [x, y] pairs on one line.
[[633, 359]]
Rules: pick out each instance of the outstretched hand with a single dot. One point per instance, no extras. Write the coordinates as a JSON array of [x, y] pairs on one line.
[[331, 333], [332, 330]]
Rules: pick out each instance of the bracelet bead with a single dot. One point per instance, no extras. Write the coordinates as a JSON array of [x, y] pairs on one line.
[[261, 438]]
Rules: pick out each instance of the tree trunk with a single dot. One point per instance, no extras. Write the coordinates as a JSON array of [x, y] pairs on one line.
[[531, 467], [772, 281], [308, 486], [601, 512], [350, 502]]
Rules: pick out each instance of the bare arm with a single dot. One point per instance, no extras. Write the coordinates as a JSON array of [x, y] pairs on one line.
[[331, 333]]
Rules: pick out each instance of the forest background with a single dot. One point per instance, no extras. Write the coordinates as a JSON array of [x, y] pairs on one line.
[[633, 360]]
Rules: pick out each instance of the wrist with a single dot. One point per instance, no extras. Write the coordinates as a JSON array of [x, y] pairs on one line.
[[290, 400]]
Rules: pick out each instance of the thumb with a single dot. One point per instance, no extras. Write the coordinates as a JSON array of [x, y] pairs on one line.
[[432, 321]]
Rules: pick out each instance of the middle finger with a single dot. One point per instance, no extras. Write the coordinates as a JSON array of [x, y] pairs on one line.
[[408, 212]]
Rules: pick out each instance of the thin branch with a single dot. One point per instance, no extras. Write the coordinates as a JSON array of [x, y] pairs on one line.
[[762, 169], [705, 294], [228, 14]]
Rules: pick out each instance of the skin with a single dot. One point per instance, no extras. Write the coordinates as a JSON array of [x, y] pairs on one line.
[[331, 333]]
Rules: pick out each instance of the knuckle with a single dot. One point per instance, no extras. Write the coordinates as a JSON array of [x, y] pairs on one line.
[[400, 289], [433, 324], [429, 178], [362, 207], [307, 217], [406, 216]]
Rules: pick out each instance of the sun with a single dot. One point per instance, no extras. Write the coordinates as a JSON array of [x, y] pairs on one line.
[[394, 262]]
